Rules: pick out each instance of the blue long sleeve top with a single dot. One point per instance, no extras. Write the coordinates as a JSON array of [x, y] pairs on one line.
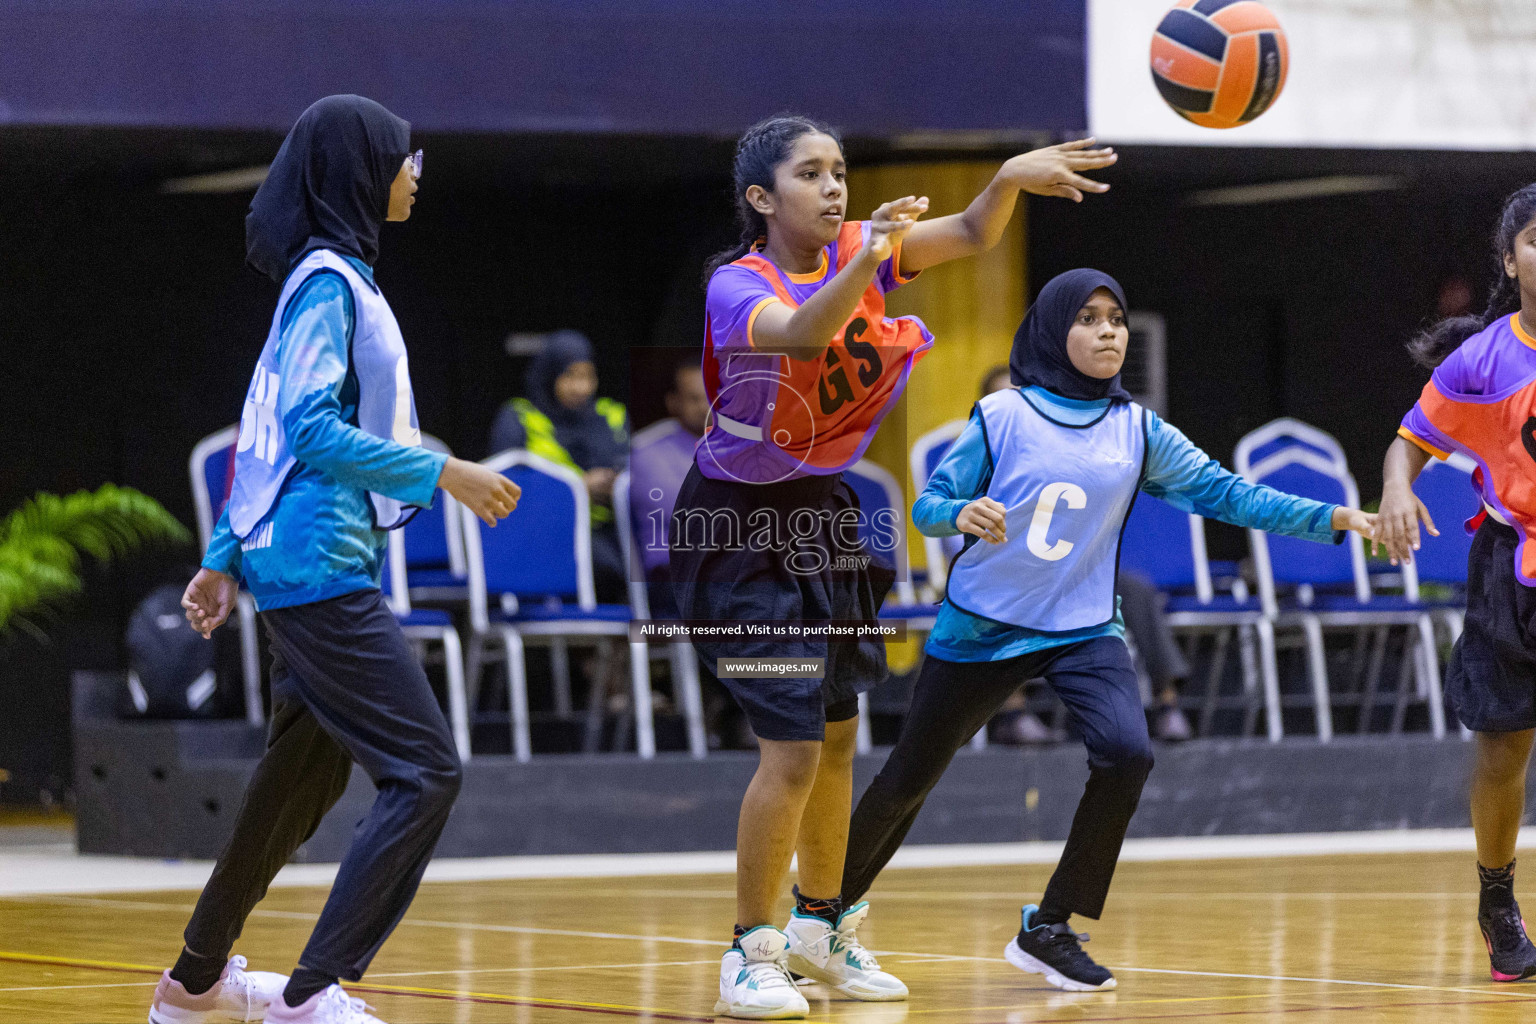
[[322, 540], [1176, 471]]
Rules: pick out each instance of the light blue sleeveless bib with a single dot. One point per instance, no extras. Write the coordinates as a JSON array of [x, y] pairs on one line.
[[1067, 491], [385, 405]]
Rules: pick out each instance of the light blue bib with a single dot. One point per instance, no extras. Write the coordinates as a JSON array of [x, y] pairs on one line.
[[385, 406], [1067, 491]]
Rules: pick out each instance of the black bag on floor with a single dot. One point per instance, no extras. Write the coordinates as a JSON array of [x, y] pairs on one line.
[[170, 665]]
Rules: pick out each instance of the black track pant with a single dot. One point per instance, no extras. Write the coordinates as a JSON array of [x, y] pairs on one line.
[[345, 687], [1097, 683]]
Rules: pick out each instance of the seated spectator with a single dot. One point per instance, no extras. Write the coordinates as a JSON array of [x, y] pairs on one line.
[[560, 420], [659, 460]]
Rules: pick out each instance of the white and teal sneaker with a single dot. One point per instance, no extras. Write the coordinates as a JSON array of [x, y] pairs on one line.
[[754, 980], [834, 956]]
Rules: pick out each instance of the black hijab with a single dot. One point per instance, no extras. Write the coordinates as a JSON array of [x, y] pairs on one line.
[[583, 432], [1040, 346], [328, 187]]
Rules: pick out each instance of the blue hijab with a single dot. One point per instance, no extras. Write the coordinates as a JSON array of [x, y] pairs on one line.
[[1040, 345]]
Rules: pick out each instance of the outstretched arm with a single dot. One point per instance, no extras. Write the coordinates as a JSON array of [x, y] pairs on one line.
[[1401, 510], [1191, 480], [1053, 171]]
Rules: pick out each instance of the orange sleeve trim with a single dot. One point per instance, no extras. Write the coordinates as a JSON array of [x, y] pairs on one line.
[[896, 273], [752, 318], [1520, 331], [1408, 435]]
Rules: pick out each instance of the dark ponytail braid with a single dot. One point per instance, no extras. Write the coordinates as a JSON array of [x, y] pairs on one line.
[[759, 152], [1431, 346]]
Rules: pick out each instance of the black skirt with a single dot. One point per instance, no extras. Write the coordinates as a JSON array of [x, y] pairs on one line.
[[1491, 682], [774, 553]]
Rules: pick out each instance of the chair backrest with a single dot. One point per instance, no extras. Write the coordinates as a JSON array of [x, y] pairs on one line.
[[434, 537], [927, 452], [212, 469], [639, 597], [1277, 435], [543, 549], [1446, 490], [882, 522], [1304, 471], [1167, 546], [392, 581]]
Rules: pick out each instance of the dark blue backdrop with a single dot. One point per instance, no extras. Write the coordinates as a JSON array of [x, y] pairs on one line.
[[635, 66]]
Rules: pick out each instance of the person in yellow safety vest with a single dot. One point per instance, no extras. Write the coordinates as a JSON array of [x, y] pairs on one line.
[[561, 420]]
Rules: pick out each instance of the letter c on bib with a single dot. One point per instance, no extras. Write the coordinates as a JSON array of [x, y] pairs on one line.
[[1040, 525]]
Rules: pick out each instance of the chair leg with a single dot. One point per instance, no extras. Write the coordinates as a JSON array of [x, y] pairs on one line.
[[1269, 676], [863, 743], [1253, 686], [685, 676], [1213, 682], [1317, 668], [474, 665], [517, 693], [640, 683], [458, 704], [560, 672], [1434, 694], [250, 659]]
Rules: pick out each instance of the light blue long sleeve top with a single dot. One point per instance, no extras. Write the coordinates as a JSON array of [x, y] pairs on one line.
[[323, 541], [1176, 471]]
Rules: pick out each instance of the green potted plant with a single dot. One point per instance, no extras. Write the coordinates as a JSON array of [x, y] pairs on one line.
[[42, 546]]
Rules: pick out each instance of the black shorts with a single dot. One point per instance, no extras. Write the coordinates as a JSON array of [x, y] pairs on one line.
[[717, 577], [1491, 682]]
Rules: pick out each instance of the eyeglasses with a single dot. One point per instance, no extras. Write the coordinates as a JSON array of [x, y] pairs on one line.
[[415, 162]]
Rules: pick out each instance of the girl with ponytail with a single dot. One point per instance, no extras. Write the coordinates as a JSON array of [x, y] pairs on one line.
[[1481, 402], [801, 364]]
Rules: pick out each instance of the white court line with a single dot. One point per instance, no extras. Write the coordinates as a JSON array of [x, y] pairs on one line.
[[57, 871], [552, 967], [916, 956], [57, 988]]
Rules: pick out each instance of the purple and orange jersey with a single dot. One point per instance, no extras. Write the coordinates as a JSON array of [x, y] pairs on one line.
[[775, 418], [1482, 401]]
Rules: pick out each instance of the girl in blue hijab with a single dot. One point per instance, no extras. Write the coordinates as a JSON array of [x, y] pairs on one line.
[[1040, 482]]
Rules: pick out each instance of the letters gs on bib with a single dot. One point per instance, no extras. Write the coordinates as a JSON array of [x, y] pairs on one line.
[[833, 389]]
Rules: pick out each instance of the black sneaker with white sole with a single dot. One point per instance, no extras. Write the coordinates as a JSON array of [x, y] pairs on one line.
[[1055, 951]]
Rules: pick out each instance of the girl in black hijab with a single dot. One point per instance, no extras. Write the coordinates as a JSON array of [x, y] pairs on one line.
[[561, 420], [329, 456], [1040, 482]]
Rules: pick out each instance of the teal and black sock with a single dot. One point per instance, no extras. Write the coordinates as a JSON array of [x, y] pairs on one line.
[[1048, 915], [1497, 887], [829, 910], [736, 940], [304, 983], [197, 973]]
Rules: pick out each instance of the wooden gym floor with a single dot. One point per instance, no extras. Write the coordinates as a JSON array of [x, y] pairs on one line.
[[1358, 938]]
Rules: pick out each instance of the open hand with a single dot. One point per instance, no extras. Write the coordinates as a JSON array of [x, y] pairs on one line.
[[1363, 523], [1057, 170], [890, 224], [208, 599], [1398, 523], [984, 518]]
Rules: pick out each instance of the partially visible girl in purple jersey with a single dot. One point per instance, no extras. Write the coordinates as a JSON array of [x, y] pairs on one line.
[[1481, 401], [801, 365]]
